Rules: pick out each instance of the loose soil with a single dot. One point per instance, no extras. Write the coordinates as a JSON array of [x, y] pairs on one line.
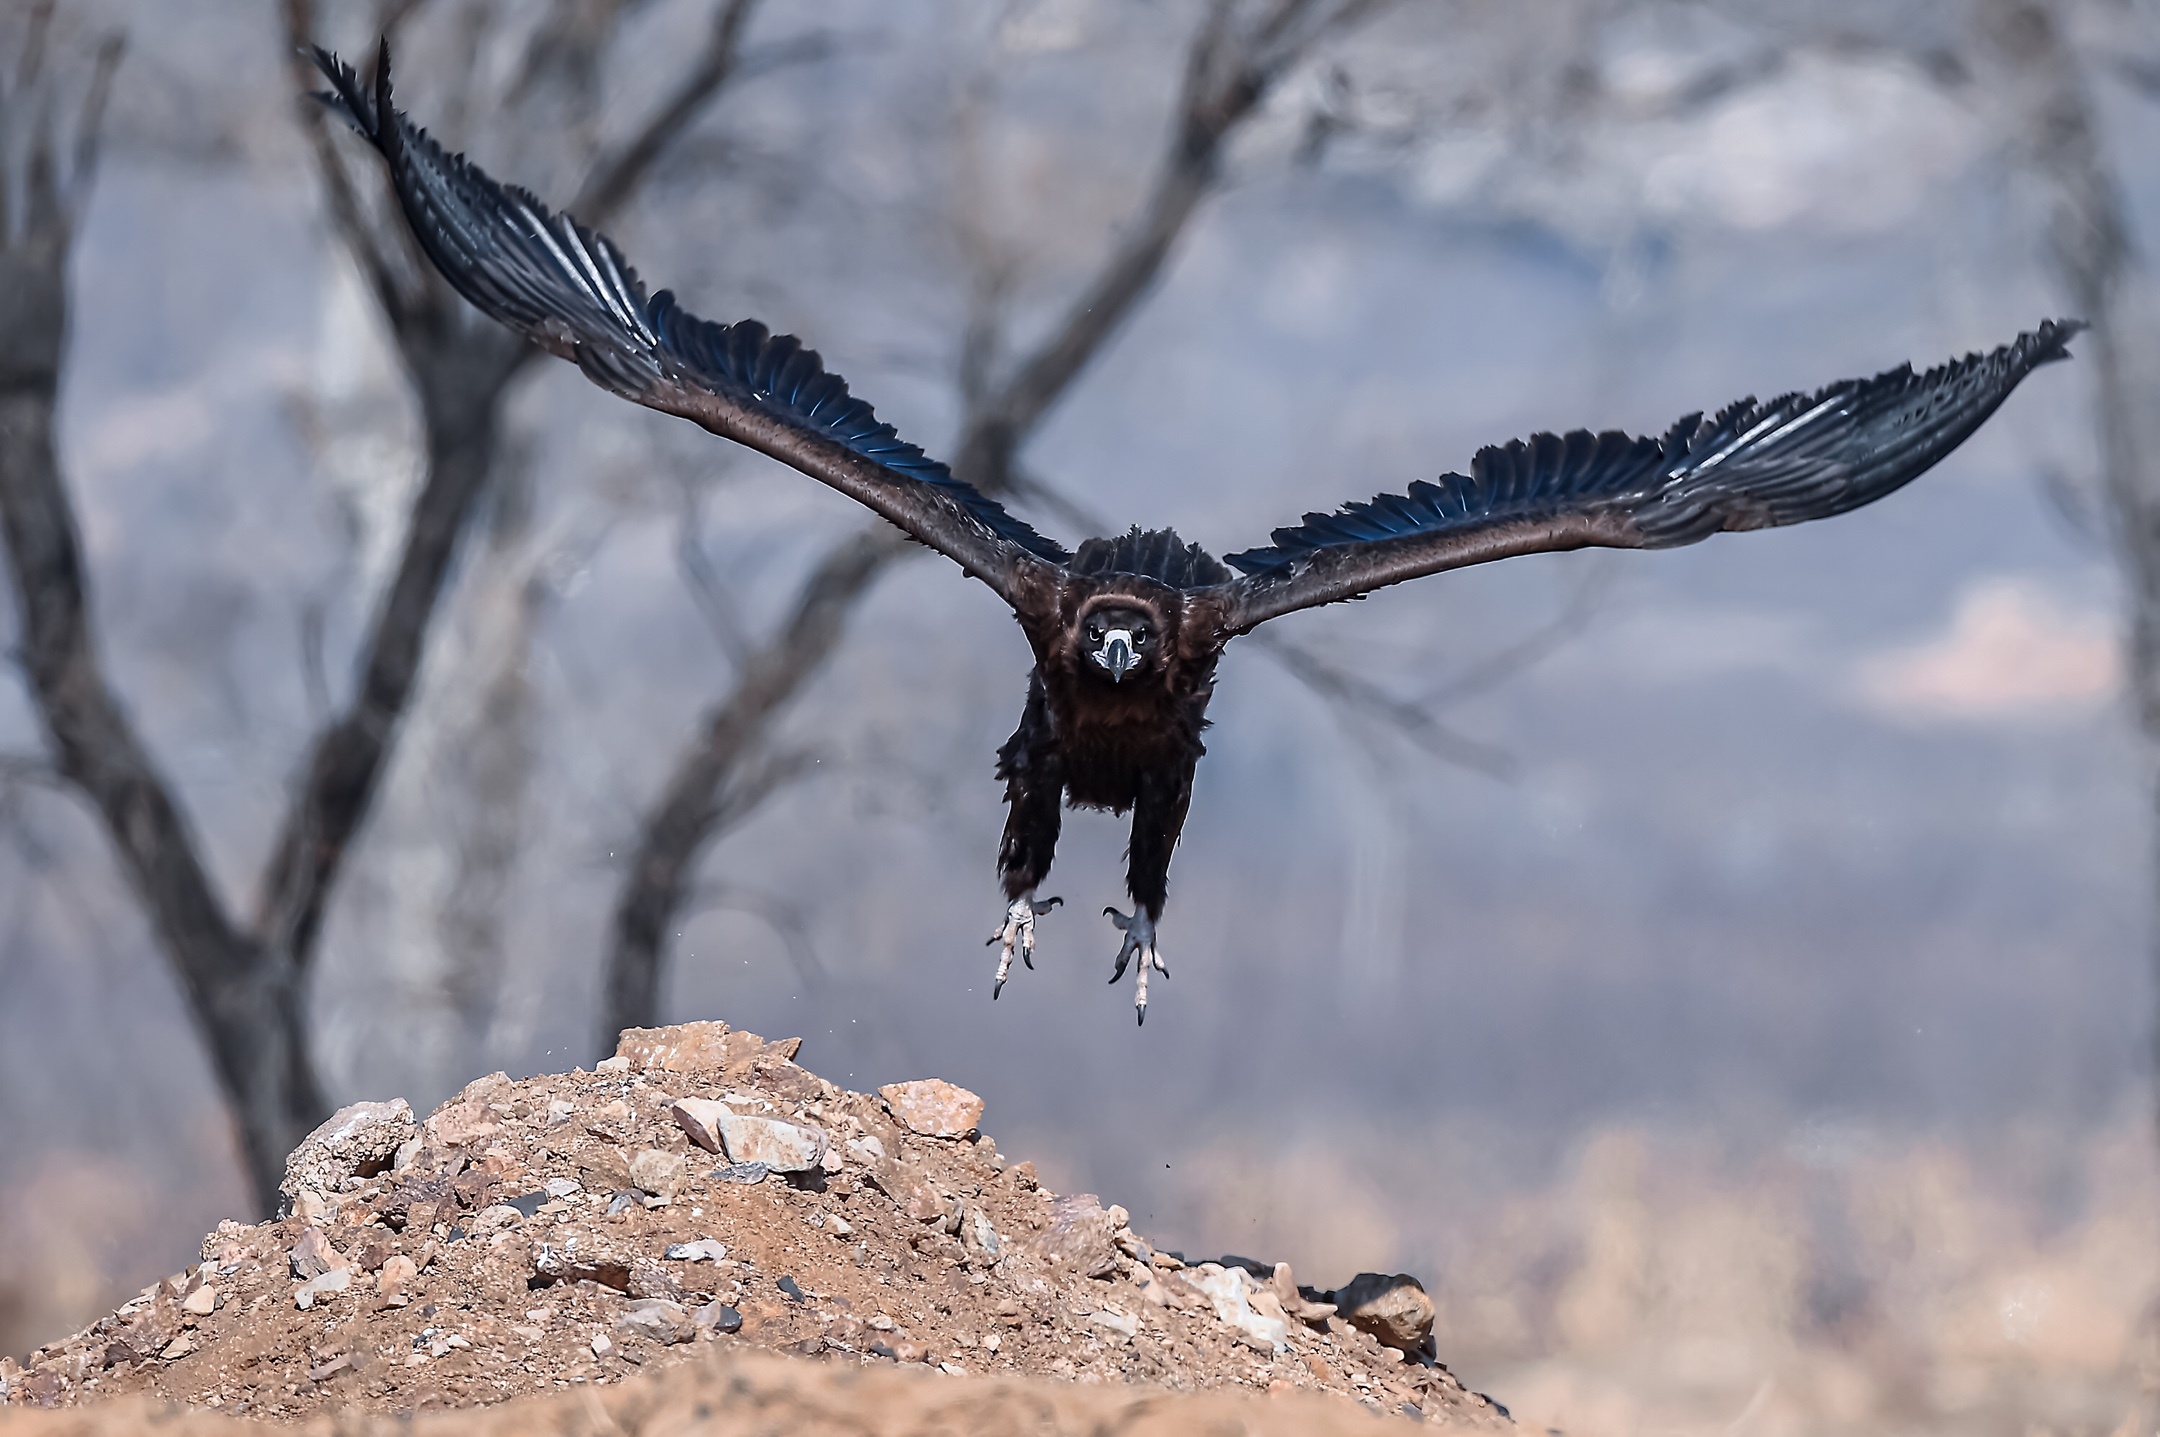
[[518, 1244]]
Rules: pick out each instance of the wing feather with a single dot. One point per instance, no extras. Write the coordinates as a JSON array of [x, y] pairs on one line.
[[1751, 466], [570, 291]]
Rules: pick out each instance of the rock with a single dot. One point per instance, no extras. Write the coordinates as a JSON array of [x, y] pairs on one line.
[[1294, 1301], [335, 1280], [1117, 1320], [866, 1150], [583, 1255], [357, 1141], [1080, 1236], [460, 1124], [689, 1047], [933, 1107], [312, 1255], [911, 1188], [719, 1317], [705, 1249], [1163, 1290], [1395, 1310], [201, 1302], [179, 1347], [527, 1204], [398, 1272], [658, 1320], [700, 1118], [372, 1254], [980, 1237], [742, 1173], [658, 1173], [1240, 1304], [783, 1147], [332, 1367]]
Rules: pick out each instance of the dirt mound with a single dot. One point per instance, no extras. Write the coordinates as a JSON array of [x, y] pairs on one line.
[[740, 1392], [700, 1189]]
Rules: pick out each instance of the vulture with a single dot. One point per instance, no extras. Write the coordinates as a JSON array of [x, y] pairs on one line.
[[1126, 630]]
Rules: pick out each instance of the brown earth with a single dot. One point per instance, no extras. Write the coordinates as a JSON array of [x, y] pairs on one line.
[[518, 1245]]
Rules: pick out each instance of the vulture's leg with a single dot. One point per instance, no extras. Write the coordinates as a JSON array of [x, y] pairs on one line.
[[1034, 777], [1158, 818]]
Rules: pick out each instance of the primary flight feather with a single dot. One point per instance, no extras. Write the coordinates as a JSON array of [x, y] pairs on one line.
[[1127, 631]]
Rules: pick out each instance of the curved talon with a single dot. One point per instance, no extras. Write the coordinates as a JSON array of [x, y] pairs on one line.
[[1017, 932], [1139, 931]]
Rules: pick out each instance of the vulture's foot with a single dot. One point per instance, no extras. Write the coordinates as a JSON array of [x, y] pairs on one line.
[[1139, 930], [1018, 932]]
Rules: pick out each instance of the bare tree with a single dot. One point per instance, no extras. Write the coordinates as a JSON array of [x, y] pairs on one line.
[[460, 369], [246, 981], [246, 994], [1237, 56]]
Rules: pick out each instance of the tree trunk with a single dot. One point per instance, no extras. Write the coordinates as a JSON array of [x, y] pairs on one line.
[[246, 1000]]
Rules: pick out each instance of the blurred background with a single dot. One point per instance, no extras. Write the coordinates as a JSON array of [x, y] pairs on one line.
[[1725, 976]]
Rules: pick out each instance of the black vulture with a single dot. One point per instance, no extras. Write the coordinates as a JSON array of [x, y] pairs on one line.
[[1126, 631]]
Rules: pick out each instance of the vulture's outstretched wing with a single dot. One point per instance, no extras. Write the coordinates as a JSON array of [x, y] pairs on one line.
[[1754, 466], [571, 292]]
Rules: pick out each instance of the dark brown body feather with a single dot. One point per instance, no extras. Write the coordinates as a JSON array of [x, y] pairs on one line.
[[1094, 743]]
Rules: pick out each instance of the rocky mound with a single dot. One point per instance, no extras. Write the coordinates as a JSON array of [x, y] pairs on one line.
[[736, 1391], [701, 1188]]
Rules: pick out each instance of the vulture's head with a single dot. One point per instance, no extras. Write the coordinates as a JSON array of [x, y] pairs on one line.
[[1121, 640]]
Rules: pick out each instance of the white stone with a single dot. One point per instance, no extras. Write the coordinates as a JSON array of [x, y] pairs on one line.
[[783, 1147], [1117, 1320], [1236, 1298], [336, 1280], [656, 1319], [934, 1107]]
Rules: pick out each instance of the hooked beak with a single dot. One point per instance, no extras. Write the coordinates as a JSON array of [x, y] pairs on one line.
[[1116, 654]]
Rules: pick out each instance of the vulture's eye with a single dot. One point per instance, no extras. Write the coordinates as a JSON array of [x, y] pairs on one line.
[[1095, 631], [1142, 634]]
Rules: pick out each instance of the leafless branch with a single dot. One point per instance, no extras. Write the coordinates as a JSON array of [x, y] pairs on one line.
[[28, 770], [2141, 72], [1359, 695], [461, 371], [2075, 508], [1228, 72], [678, 827], [714, 603], [796, 50], [616, 177], [744, 796], [90, 124], [1534, 648], [245, 1000], [313, 679]]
